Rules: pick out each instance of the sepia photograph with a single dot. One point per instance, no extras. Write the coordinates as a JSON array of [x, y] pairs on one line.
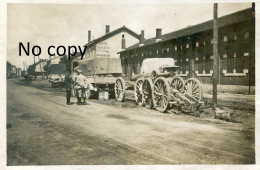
[[130, 84]]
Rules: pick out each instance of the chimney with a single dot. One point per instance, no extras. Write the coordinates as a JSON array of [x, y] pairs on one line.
[[89, 35], [158, 34], [107, 28], [141, 38], [123, 42]]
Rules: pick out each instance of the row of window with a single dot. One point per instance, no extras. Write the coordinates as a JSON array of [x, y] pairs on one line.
[[166, 50]]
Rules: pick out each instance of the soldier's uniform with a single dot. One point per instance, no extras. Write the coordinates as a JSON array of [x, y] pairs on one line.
[[73, 77], [68, 86], [80, 86]]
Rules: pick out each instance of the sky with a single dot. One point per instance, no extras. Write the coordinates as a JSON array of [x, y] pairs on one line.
[[68, 24]]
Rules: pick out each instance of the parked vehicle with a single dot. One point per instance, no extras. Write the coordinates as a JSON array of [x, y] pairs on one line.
[[56, 75], [158, 85], [101, 74]]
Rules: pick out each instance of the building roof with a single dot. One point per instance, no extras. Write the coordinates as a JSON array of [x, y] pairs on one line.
[[112, 33], [205, 26]]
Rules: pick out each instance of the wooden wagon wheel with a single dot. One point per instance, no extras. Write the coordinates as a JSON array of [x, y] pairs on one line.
[[147, 93], [120, 89], [177, 83], [193, 88], [161, 94], [138, 92]]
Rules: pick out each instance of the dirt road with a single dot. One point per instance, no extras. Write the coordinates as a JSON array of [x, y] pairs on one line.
[[43, 130]]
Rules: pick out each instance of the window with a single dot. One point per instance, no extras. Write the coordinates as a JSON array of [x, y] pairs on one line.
[[197, 44], [246, 35], [225, 39], [235, 37], [123, 36], [246, 53]]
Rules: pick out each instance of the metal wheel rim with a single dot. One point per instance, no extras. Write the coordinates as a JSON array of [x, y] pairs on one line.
[[193, 87], [177, 83], [161, 94], [147, 93], [119, 90], [138, 92]]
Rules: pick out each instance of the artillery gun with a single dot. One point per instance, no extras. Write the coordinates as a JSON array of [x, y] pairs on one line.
[[159, 86]]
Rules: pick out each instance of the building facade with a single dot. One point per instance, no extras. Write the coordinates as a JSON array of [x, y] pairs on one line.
[[109, 44], [192, 50]]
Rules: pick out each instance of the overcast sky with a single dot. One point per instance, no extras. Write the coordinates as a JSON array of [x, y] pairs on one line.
[[55, 24]]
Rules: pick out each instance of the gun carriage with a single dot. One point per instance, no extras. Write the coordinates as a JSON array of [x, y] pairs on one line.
[[159, 86]]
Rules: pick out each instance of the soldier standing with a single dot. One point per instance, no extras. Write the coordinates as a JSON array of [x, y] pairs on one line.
[[80, 86], [68, 85]]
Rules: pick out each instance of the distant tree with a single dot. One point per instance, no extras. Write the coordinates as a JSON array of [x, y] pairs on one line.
[[8, 67], [47, 66], [64, 60], [31, 69]]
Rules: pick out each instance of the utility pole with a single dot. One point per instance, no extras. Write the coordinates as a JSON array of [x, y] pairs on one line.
[[216, 56]]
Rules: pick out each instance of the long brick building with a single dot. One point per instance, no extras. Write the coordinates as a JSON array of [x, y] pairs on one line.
[[192, 50]]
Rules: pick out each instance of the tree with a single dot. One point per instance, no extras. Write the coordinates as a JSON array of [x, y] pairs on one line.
[[31, 69], [47, 66], [8, 67]]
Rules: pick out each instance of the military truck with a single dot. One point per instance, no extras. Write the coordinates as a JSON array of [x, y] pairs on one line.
[[56, 75], [101, 74]]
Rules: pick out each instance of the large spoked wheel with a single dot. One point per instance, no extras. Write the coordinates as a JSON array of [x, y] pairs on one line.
[[147, 93], [161, 94], [139, 92], [177, 83], [120, 89], [193, 89]]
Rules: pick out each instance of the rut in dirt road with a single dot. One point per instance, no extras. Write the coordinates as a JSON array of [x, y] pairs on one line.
[[47, 131]]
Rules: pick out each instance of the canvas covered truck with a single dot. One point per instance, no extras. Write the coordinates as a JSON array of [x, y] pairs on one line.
[[56, 75], [159, 86], [101, 74]]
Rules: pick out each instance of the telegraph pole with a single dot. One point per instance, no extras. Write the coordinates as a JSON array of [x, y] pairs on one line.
[[216, 56]]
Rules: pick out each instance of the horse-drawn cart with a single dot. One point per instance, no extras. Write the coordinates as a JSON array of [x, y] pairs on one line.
[[159, 86]]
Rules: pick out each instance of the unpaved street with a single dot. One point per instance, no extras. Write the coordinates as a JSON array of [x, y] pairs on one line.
[[43, 130]]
